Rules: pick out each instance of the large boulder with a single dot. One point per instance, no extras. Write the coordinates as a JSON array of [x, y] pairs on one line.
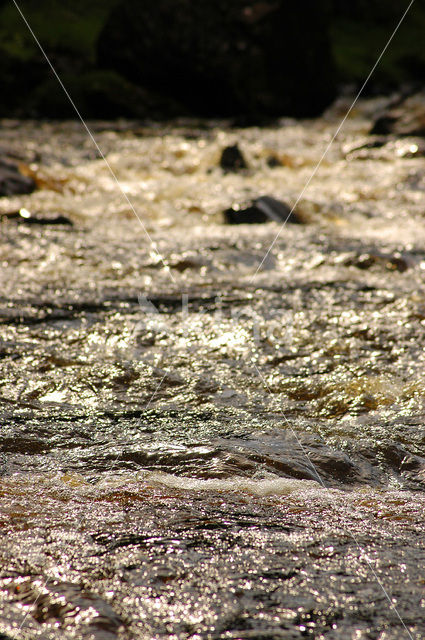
[[243, 57]]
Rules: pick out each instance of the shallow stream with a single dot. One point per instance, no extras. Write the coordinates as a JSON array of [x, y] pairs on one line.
[[212, 430]]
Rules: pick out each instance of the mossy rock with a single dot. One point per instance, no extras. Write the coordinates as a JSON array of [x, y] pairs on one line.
[[98, 95]]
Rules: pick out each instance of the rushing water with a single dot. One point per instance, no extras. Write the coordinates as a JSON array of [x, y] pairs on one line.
[[192, 447]]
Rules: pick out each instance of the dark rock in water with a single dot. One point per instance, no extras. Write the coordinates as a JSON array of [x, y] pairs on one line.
[[23, 216], [383, 125], [232, 159], [392, 261], [261, 210], [273, 162], [405, 118], [224, 58], [12, 182], [53, 220], [377, 143]]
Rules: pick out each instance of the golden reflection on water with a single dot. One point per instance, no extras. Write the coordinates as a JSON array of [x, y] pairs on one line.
[[167, 176]]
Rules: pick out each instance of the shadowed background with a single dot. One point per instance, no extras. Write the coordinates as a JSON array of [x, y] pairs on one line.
[[175, 57]]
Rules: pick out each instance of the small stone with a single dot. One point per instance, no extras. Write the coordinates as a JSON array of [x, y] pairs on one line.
[[273, 162], [392, 261], [262, 210], [232, 159], [26, 217]]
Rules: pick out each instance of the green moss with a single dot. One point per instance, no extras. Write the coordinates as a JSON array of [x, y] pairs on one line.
[[66, 26], [68, 31], [357, 45]]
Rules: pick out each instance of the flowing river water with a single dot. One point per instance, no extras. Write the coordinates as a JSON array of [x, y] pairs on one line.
[[209, 449]]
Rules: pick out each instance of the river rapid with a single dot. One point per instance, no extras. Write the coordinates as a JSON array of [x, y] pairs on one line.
[[211, 430]]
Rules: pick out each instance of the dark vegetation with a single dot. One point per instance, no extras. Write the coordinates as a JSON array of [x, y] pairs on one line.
[[175, 57]]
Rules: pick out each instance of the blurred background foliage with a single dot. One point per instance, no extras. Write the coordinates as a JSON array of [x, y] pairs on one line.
[[71, 27], [69, 32], [359, 30]]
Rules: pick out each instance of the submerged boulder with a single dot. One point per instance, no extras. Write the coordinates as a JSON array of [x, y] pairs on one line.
[[224, 58]]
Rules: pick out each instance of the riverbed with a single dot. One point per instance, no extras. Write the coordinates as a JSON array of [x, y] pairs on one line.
[[212, 430]]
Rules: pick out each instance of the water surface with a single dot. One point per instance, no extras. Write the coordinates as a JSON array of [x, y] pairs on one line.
[[188, 451]]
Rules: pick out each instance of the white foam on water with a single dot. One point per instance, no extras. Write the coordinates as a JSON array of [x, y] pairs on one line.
[[74, 484], [239, 484]]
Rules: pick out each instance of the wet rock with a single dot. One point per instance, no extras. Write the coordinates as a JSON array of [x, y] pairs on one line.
[[273, 162], [385, 148], [221, 58], [336, 464], [404, 118], [12, 182], [412, 463], [392, 261], [365, 149], [23, 216], [397, 456], [261, 210], [304, 456], [232, 159]]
